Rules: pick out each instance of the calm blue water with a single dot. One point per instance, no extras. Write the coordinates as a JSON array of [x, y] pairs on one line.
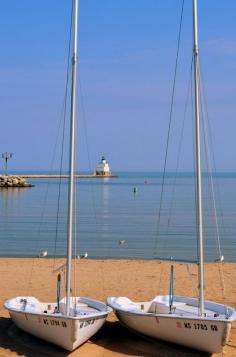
[[109, 211]]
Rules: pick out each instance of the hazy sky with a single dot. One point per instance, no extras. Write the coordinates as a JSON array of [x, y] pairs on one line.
[[127, 52]]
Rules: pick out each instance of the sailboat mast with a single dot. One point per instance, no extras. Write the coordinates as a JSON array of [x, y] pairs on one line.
[[198, 162], [71, 190]]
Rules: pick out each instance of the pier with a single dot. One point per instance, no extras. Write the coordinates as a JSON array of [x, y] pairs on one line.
[[64, 176]]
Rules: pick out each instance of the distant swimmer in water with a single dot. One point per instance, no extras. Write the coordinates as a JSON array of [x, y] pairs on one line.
[[135, 189]]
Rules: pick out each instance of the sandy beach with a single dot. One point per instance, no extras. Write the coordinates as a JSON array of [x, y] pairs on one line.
[[139, 280]]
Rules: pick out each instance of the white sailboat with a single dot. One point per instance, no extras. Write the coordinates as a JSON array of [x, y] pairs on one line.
[[191, 322], [73, 320]]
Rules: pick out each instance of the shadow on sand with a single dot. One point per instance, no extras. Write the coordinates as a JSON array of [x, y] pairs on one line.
[[16, 340], [113, 337]]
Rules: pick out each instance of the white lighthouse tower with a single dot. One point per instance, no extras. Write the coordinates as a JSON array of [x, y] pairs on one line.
[[103, 168]]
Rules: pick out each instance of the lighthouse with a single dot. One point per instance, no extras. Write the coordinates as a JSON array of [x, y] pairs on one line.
[[103, 168]]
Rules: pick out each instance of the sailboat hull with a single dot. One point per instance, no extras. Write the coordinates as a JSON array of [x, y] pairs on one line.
[[62, 332], [175, 331], [205, 334], [66, 332]]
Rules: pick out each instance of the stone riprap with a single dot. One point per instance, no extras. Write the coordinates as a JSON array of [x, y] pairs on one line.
[[7, 181]]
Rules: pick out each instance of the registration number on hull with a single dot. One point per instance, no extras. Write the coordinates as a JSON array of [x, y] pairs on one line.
[[197, 326], [54, 323], [87, 323]]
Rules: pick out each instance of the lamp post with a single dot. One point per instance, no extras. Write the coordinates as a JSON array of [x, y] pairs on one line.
[[6, 156]]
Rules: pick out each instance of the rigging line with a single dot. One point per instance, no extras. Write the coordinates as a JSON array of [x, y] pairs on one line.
[[212, 196], [180, 144], [84, 117], [211, 185], [75, 208], [86, 142], [90, 168], [194, 177], [213, 163], [178, 158], [194, 150], [169, 127], [74, 249], [45, 201], [209, 146], [194, 156], [63, 138], [213, 156], [191, 279], [75, 236]]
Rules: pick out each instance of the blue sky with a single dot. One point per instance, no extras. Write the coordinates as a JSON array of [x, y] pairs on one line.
[[127, 52]]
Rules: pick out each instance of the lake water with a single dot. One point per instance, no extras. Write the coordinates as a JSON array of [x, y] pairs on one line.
[[108, 211]]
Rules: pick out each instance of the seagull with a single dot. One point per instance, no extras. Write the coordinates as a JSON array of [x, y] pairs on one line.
[[83, 256], [121, 241], [221, 259], [43, 254]]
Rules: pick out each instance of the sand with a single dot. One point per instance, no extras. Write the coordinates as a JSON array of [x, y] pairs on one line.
[[139, 280]]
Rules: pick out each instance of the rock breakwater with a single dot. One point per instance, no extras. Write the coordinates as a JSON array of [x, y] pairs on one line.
[[7, 181]]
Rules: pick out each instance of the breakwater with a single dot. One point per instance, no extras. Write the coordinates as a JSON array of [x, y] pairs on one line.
[[7, 181], [45, 176]]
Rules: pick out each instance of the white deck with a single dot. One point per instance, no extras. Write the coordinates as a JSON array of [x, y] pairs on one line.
[[80, 307], [182, 307]]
